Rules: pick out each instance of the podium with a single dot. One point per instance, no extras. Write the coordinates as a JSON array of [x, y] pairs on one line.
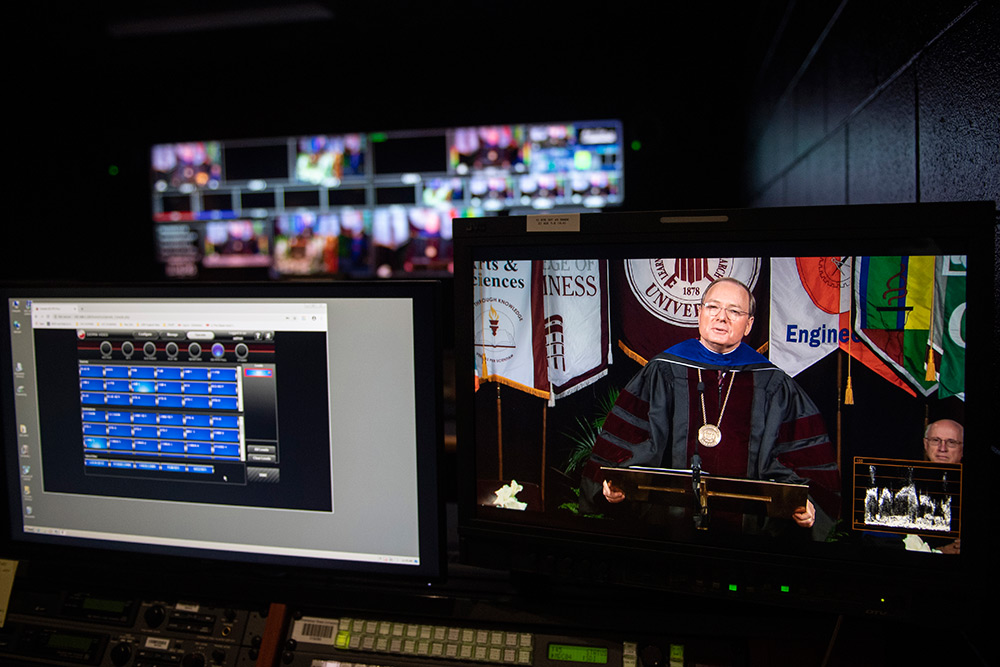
[[678, 488]]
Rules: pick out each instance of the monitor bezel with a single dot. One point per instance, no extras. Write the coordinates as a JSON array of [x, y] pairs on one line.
[[895, 583], [224, 569]]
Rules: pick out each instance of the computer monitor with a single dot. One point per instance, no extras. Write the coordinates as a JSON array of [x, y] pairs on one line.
[[567, 377], [295, 426]]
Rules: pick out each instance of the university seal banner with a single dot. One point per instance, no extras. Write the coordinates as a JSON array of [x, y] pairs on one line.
[[659, 299]]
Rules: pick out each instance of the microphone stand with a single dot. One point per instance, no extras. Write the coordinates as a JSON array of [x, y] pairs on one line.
[[701, 516]]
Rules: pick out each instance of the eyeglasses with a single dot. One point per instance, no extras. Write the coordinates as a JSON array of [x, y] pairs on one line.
[[936, 442], [712, 309]]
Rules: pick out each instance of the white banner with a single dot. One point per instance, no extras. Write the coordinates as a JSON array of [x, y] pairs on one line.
[[577, 327], [808, 294], [510, 347]]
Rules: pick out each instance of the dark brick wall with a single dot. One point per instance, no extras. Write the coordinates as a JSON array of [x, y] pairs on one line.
[[879, 102], [895, 102]]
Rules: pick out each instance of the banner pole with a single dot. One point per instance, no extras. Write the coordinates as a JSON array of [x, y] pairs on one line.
[[840, 379], [545, 419], [499, 435]]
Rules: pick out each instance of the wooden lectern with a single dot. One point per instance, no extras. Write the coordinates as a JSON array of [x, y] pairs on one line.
[[678, 488]]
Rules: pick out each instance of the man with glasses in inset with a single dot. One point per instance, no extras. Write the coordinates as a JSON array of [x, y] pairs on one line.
[[943, 441], [717, 398]]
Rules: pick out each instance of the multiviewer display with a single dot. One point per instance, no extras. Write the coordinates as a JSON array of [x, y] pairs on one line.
[[367, 204], [682, 382], [209, 422]]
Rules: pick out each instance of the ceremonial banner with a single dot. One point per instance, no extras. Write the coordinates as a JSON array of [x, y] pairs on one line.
[[659, 299], [894, 297], [811, 315], [807, 298], [509, 335], [949, 324], [577, 327]]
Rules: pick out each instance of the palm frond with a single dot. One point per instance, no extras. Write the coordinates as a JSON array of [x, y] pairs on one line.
[[584, 435]]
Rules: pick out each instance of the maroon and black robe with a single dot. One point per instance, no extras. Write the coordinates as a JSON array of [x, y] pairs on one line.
[[771, 430]]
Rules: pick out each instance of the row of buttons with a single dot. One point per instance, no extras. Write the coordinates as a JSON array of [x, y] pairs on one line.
[[435, 641]]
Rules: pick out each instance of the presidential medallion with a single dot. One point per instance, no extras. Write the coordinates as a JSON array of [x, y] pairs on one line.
[[709, 435]]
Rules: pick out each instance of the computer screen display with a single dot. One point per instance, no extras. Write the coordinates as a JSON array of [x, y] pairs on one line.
[[359, 205], [657, 399], [245, 423]]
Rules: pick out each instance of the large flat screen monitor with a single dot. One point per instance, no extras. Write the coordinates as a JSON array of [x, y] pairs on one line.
[[811, 430], [367, 204], [288, 425]]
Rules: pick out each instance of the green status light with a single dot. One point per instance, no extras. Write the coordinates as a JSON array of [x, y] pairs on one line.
[[636, 144], [785, 589], [113, 170], [377, 137]]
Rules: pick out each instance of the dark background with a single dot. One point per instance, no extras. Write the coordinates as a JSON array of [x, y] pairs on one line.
[[762, 103], [757, 103]]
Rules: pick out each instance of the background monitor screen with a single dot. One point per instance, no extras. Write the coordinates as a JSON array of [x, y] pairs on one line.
[[366, 204], [568, 376], [243, 423]]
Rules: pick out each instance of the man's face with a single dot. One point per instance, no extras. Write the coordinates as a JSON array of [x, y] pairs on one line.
[[936, 445], [723, 329]]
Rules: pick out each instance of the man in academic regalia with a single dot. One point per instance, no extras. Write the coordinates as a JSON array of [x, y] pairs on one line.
[[716, 397]]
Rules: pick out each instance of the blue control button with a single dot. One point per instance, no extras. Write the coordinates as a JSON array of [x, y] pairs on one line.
[[224, 404], [95, 443], [144, 400], [94, 416], [196, 402]]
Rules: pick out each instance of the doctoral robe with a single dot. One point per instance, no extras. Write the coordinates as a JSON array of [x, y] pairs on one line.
[[771, 430]]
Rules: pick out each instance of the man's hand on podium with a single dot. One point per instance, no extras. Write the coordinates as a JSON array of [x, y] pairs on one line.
[[805, 516], [612, 493]]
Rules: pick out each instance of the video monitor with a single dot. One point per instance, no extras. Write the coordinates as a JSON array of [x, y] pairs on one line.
[[486, 147], [307, 244], [186, 166], [328, 159], [236, 243], [711, 403], [292, 425], [233, 209]]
